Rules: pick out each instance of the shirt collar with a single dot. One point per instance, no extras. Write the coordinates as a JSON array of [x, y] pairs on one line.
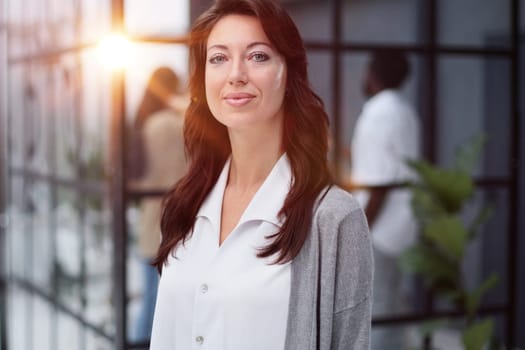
[[212, 206], [269, 199], [265, 204]]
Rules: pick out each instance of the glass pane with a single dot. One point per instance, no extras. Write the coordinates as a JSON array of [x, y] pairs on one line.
[[96, 342], [80, 95], [42, 238], [473, 100], [94, 89], [18, 235], [30, 128], [396, 337], [352, 100], [320, 75], [447, 336], [67, 266], [313, 18], [394, 293], [43, 324], [19, 318], [95, 20], [26, 125], [17, 16], [494, 248], [38, 113], [159, 17], [386, 22], [65, 85], [70, 333], [79, 99], [496, 116], [98, 255], [67, 14], [148, 58], [19, 94], [474, 22]]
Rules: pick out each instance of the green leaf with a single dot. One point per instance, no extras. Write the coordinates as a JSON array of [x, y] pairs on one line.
[[426, 262], [473, 299], [468, 154], [450, 187], [483, 216], [424, 205], [449, 234], [477, 335]]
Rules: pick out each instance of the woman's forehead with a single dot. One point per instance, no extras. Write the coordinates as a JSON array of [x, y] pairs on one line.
[[237, 29]]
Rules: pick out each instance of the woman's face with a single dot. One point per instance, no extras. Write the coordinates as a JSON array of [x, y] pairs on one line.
[[245, 75]]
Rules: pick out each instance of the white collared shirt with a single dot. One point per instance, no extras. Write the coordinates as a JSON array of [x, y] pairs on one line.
[[225, 297]]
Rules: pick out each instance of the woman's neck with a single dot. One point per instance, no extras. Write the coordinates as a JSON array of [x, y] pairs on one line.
[[253, 157]]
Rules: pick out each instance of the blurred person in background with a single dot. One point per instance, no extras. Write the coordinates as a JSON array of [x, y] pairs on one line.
[[385, 136], [258, 250], [156, 162]]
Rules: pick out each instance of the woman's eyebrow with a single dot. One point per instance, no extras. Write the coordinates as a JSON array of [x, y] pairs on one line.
[[249, 46], [217, 46], [258, 43]]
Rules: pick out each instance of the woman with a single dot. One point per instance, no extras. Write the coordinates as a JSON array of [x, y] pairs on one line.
[[258, 250]]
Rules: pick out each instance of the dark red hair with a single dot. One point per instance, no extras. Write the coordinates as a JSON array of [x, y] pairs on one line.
[[305, 136]]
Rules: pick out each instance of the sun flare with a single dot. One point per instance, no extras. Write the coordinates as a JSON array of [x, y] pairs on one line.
[[115, 51]]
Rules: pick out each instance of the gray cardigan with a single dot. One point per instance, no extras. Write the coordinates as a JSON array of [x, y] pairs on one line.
[[330, 300]]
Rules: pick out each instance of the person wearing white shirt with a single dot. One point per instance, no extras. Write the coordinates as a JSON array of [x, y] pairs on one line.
[[386, 135], [259, 250]]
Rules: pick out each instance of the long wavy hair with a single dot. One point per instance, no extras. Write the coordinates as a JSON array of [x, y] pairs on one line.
[[305, 136]]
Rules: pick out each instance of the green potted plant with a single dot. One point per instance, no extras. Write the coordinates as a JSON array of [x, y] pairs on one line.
[[438, 198]]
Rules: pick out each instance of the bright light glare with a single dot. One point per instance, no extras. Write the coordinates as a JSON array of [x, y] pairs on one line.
[[115, 51]]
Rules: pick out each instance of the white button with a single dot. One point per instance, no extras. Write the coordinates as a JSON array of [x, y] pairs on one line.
[[204, 288], [199, 340]]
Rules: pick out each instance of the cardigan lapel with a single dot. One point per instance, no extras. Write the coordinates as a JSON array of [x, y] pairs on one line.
[[302, 326], [304, 309]]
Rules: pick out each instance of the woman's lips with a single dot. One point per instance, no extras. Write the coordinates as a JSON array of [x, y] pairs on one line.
[[238, 99]]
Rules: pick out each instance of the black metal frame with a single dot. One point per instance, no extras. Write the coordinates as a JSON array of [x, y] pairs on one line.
[[3, 187], [337, 47], [514, 174], [118, 188]]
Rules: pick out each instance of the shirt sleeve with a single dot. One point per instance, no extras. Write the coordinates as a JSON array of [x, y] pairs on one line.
[[352, 327], [353, 289]]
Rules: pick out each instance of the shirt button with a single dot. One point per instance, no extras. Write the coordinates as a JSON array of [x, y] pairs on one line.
[[199, 340], [204, 288]]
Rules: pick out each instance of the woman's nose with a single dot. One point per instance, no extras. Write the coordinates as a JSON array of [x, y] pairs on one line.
[[238, 74]]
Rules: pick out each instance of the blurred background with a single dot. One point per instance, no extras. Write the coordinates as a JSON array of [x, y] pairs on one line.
[[69, 89]]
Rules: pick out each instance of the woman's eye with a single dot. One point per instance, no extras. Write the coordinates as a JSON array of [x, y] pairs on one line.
[[259, 57], [217, 59]]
